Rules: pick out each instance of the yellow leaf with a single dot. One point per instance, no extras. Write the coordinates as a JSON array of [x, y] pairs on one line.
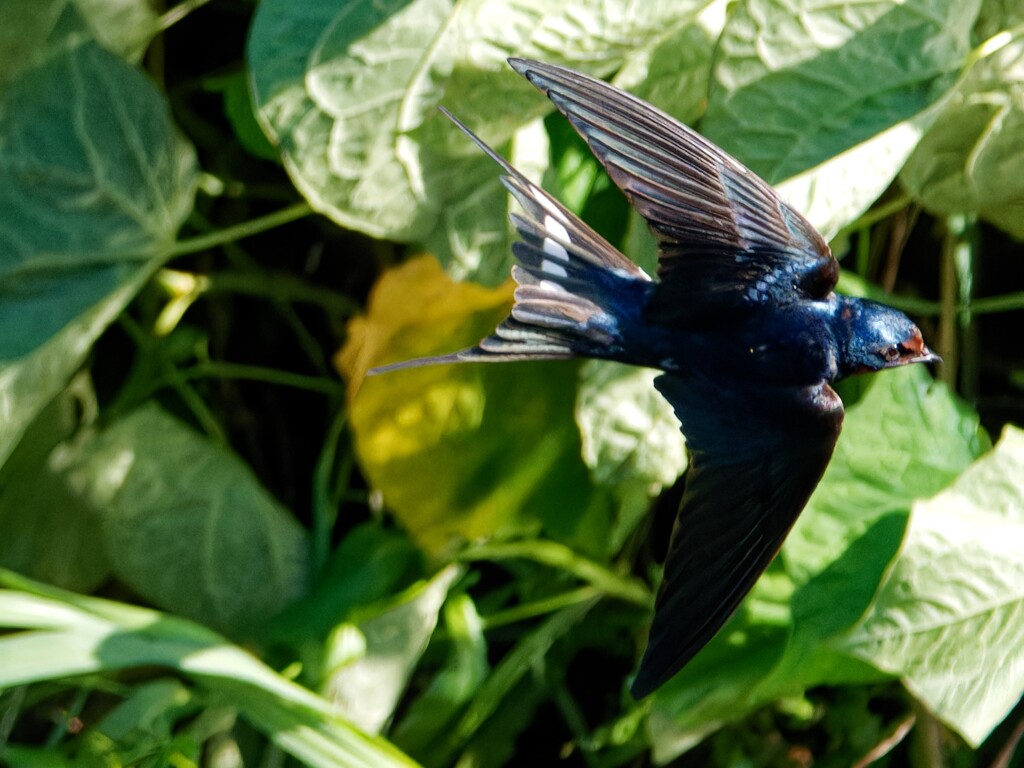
[[467, 451]]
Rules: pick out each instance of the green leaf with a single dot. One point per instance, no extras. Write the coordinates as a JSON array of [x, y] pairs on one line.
[[94, 183], [631, 439], [336, 124], [28, 384], [462, 452], [368, 689], [38, 499], [949, 619], [60, 635], [433, 712], [370, 563], [124, 27], [364, 141], [189, 528], [971, 161], [673, 71], [838, 190], [796, 85]]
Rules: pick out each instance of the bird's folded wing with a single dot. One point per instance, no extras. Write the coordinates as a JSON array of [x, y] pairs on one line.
[[757, 457], [726, 239]]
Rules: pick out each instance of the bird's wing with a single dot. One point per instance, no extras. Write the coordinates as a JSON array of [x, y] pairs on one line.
[[756, 457], [726, 239]]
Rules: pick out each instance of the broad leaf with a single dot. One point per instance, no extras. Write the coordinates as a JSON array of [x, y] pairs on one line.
[[38, 498], [94, 182], [364, 141], [949, 619], [328, 80], [466, 451], [972, 161], [189, 528], [631, 439], [796, 85], [367, 688]]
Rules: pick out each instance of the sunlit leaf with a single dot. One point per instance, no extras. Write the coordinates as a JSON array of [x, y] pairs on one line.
[[188, 527], [60, 635], [328, 80], [972, 161], [364, 141], [796, 85], [949, 619], [631, 438], [431, 714], [367, 689], [463, 451]]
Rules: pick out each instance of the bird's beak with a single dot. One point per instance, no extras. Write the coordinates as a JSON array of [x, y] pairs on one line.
[[919, 353], [925, 356]]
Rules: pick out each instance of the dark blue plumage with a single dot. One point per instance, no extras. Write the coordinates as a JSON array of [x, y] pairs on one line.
[[742, 320]]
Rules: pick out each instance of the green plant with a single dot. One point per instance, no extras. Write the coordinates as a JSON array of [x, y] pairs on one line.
[[215, 551]]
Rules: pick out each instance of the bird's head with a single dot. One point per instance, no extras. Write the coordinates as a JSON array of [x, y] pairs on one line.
[[879, 337]]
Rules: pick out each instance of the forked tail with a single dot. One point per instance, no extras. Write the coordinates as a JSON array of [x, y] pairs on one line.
[[575, 293]]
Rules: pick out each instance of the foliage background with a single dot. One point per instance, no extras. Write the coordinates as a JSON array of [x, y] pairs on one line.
[[222, 546]]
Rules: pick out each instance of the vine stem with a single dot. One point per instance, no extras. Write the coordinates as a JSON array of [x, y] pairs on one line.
[[240, 231]]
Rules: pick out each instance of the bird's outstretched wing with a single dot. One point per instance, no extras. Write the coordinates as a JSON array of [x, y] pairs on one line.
[[756, 457], [726, 239]]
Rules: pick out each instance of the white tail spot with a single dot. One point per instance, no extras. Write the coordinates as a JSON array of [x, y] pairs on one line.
[[555, 227], [552, 286], [555, 249], [551, 267]]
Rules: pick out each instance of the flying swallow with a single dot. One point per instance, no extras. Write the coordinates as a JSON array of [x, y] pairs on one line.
[[742, 320]]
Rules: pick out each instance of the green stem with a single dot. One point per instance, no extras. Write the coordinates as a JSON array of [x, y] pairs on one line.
[[539, 607], [1006, 303], [179, 12], [994, 44], [325, 495], [223, 370], [875, 215], [176, 381], [280, 286], [560, 556], [240, 231]]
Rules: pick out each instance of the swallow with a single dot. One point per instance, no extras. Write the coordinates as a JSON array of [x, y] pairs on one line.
[[742, 320]]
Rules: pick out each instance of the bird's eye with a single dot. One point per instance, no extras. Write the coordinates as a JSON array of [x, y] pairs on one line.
[[891, 354]]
